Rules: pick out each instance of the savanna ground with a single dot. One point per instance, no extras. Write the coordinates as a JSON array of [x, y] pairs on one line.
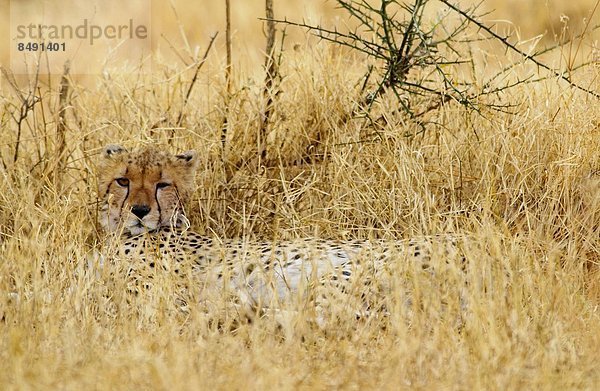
[[523, 187]]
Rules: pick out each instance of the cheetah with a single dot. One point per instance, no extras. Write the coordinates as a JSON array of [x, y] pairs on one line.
[[143, 194]]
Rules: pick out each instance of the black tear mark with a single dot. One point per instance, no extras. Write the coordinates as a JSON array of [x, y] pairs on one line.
[[124, 201], [158, 205]]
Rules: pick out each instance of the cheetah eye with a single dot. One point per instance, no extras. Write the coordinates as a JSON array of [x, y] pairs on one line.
[[162, 185], [123, 182]]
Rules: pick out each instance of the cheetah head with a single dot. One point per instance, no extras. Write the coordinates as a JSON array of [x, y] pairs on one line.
[[144, 190]]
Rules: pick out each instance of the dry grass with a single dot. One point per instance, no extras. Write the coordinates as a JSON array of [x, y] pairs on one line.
[[523, 188]]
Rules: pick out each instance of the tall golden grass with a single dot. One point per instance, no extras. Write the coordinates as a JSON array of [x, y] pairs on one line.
[[523, 188]]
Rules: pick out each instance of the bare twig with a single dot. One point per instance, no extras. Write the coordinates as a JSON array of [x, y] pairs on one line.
[[228, 44], [228, 68], [28, 102], [199, 65], [585, 29], [526, 57], [271, 75], [539, 53], [61, 128]]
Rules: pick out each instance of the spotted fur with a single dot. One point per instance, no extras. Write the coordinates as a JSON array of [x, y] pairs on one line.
[[143, 194]]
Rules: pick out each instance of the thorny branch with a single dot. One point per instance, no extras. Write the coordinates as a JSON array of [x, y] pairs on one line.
[[419, 61]]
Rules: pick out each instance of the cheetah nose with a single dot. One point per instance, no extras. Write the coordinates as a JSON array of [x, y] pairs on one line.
[[140, 210]]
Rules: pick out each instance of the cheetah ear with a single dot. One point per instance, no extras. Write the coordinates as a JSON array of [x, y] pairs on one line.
[[188, 159], [112, 150]]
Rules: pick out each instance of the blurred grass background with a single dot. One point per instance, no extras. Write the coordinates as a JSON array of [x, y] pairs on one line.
[[197, 21], [522, 188]]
